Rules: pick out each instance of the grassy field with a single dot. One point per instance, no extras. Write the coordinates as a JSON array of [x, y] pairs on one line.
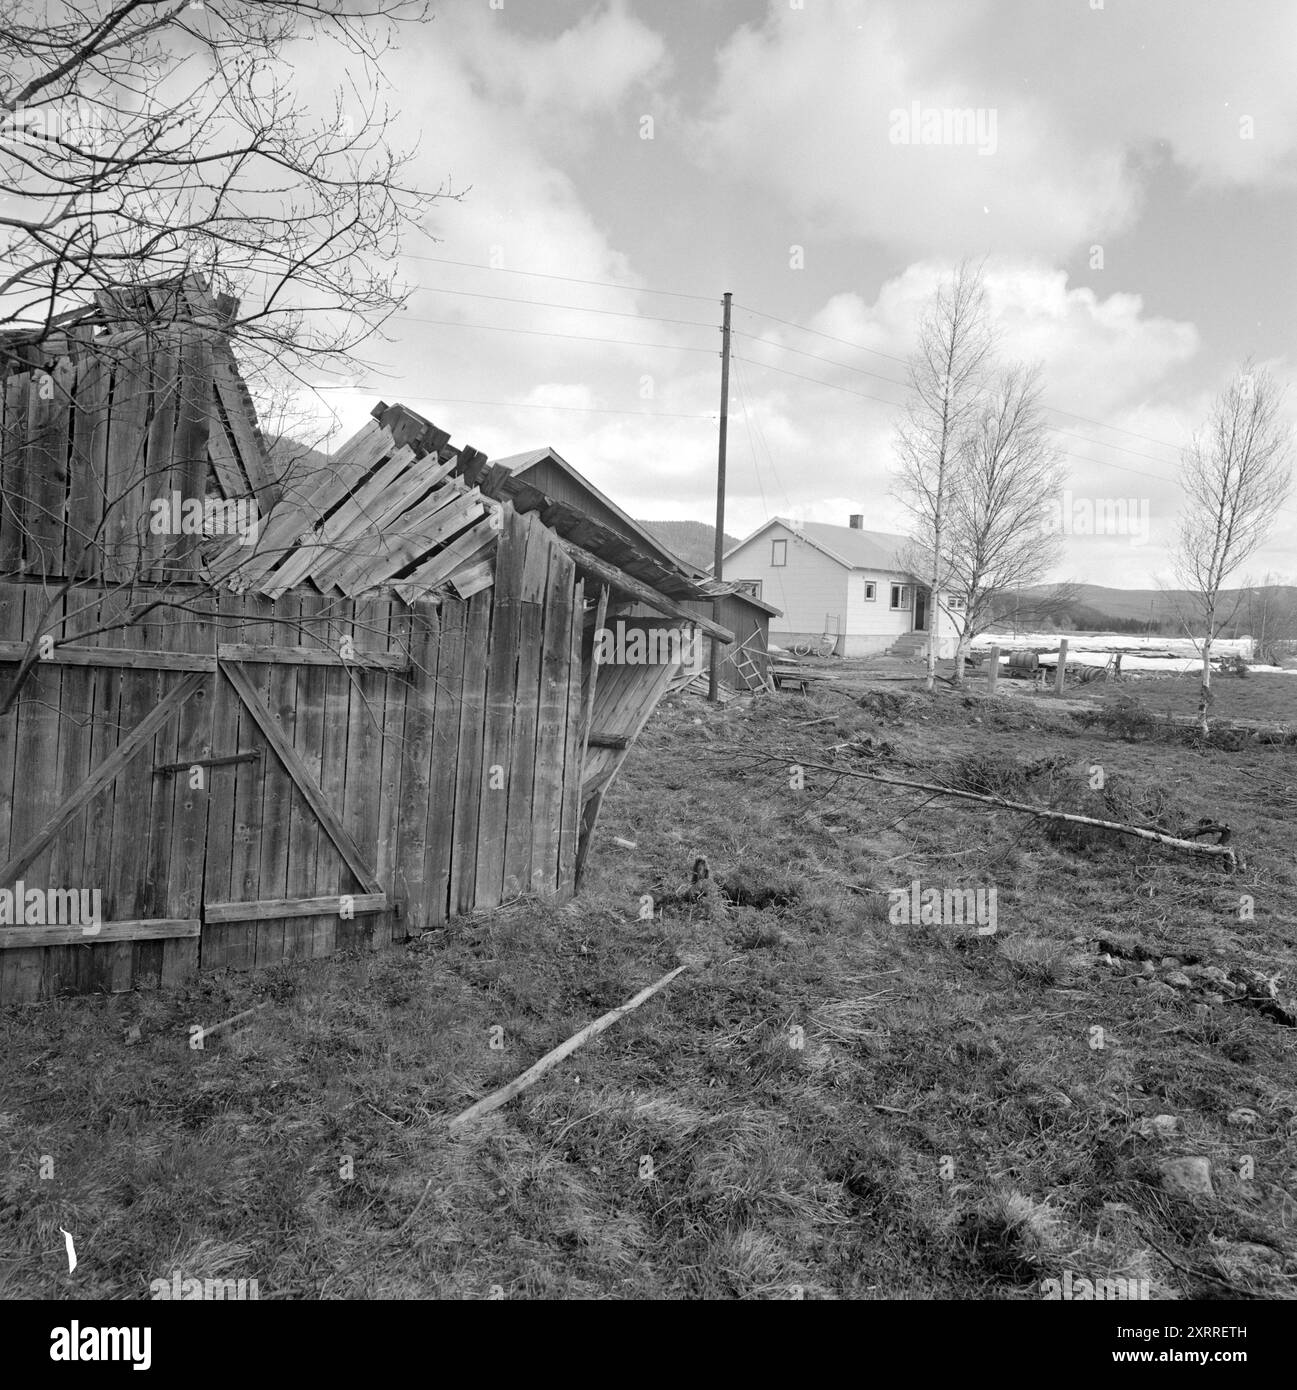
[[1257, 697], [827, 1104]]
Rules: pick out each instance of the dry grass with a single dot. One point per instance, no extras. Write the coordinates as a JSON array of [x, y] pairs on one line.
[[828, 1104]]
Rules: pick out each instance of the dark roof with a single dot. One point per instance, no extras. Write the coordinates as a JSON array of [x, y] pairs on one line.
[[520, 464]]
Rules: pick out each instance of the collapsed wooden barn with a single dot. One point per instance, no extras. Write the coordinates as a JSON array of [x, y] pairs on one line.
[[249, 714]]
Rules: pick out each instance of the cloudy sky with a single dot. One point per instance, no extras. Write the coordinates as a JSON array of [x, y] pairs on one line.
[[1131, 181]]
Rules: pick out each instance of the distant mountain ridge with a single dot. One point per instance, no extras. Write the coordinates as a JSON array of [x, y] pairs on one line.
[[693, 541], [1155, 604]]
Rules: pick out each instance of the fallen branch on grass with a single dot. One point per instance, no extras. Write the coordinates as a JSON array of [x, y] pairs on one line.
[[208, 1029], [550, 1059], [1218, 851]]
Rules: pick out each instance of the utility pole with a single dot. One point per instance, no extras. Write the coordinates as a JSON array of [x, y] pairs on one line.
[[714, 676]]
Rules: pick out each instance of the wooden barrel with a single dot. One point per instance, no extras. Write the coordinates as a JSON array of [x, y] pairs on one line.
[[1023, 663]]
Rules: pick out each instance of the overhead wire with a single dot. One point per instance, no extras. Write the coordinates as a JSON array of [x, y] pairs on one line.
[[861, 347], [569, 279], [763, 342], [520, 405], [748, 309], [547, 333], [1102, 463], [546, 304]]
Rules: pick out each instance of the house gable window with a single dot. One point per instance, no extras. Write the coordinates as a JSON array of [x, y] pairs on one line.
[[871, 591], [778, 553], [900, 596]]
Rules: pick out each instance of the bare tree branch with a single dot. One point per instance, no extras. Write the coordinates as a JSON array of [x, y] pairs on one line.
[[1236, 474]]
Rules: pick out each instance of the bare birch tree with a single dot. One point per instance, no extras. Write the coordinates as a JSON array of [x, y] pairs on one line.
[[946, 376], [1237, 473], [145, 140], [997, 541]]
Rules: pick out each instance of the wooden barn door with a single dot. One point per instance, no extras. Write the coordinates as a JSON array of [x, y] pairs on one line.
[[92, 800], [284, 877]]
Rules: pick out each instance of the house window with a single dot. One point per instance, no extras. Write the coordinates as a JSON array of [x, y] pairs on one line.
[[778, 553], [900, 596], [749, 586], [871, 591], [956, 603]]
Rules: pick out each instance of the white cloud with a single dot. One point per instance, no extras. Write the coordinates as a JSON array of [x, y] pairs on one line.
[[809, 103], [585, 70]]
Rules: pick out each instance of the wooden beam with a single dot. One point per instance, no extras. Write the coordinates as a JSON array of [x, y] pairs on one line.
[[587, 715], [292, 907], [71, 655], [311, 656], [589, 819], [619, 579], [298, 771], [608, 741], [12, 938], [1223, 851], [229, 759], [138, 739], [551, 1058]]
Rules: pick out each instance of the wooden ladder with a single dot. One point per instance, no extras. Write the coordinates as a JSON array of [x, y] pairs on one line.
[[751, 673]]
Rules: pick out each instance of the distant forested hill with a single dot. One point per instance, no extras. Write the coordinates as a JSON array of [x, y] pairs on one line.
[[690, 540]]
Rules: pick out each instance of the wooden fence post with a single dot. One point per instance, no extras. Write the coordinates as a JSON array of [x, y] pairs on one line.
[[993, 671], [1060, 674]]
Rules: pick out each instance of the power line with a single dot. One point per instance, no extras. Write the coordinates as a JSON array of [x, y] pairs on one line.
[[816, 381], [669, 347], [545, 304], [543, 333], [801, 328], [1071, 434], [522, 405], [1102, 463], [846, 366], [693, 323], [860, 347], [568, 279], [1135, 434]]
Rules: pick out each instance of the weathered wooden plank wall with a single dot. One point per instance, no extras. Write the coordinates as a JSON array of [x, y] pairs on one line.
[[404, 757], [111, 425]]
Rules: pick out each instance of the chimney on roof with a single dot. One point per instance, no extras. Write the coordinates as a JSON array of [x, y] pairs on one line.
[[857, 521]]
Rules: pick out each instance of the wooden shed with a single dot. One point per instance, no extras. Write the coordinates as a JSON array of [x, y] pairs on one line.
[[745, 662], [249, 716]]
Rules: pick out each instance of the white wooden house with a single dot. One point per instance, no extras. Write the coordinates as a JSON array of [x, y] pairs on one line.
[[843, 583]]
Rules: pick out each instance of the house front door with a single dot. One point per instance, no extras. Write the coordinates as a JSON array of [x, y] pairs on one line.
[[920, 610]]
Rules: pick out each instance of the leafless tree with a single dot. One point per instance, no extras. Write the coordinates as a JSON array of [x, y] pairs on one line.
[[997, 540], [1271, 617], [144, 140], [1236, 474], [946, 375]]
